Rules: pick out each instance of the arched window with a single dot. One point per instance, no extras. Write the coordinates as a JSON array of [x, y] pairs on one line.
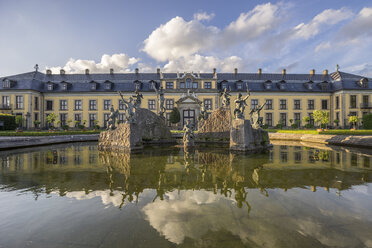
[[188, 83]]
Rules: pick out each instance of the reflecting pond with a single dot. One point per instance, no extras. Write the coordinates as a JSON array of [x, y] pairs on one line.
[[73, 195]]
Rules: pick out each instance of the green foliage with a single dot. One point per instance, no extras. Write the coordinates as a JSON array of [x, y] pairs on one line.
[[280, 124], [9, 121], [19, 120], [306, 119], [333, 132], [353, 120], [43, 133], [51, 118], [266, 126], [175, 116], [336, 121], [321, 117], [367, 121]]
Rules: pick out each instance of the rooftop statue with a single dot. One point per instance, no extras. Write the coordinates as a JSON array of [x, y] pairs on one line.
[[130, 108], [161, 99], [225, 98], [240, 104], [255, 116], [112, 118], [138, 99]]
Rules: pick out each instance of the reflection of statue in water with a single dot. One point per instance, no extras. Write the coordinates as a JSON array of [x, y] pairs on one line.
[[188, 136], [240, 104], [225, 98], [112, 118], [137, 99], [130, 109], [255, 116], [161, 99]]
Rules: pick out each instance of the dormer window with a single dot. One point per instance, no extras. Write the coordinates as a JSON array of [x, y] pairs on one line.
[[224, 85], [309, 85], [108, 85], [50, 86], [138, 84], [363, 82], [7, 83], [93, 85], [282, 85], [323, 85], [268, 85], [239, 86], [64, 85]]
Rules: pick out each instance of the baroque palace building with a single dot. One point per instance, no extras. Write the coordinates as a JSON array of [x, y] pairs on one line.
[[89, 96]]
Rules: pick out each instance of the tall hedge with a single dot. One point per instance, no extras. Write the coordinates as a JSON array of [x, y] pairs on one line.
[[367, 121], [9, 122]]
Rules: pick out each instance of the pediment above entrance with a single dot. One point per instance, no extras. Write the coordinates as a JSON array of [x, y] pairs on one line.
[[189, 98]]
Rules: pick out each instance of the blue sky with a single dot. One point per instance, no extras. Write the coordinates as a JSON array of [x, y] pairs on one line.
[[185, 35]]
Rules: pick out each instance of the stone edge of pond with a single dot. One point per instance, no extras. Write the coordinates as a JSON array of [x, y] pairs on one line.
[[364, 141]]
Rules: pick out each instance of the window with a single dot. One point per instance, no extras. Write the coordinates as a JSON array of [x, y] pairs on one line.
[[337, 118], [6, 83], [224, 86], [105, 119], [353, 114], [311, 122], [337, 102], [151, 104], [297, 118], [269, 119], [63, 119], [208, 104], [122, 105], [310, 104], [78, 105], [36, 103], [62, 104], [298, 157], [207, 85], [188, 83], [106, 104], [77, 118], [239, 86], [297, 104], [122, 118], [108, 85], [169, 104], [182, 85], [49, 105], [169, 85], [36, 117], [283, 118], [19, 102], [93, 86], [92, 118], [50, 86], [64, 86], [324, 104], [365, 101], [195, 85], [137, 85], [282, 104], [6, 101], [92, 104], [353, 102], [254, 103], [269, 104], [167, 118]]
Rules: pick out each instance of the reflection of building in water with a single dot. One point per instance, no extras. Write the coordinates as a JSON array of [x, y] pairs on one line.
[[77, 167]]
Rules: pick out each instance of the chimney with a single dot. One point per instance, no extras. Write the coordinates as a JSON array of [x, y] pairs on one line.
[[62, 72], [214, 70], [111, 71], [325, 72], [136, 70], [312, 72], [49, 72], [235, 71], [284, 72], [158, 70], [259, 72], [86, 71]]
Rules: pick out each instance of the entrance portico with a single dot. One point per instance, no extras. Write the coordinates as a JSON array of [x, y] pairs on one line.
[[189, 107]]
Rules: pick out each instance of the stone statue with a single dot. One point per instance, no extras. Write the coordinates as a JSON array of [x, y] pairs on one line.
[[138, 99], [188, 136], [131, 108], [225, 98], [112, 118], [161, 99], [255, 116], [240, 104], [203, 112]]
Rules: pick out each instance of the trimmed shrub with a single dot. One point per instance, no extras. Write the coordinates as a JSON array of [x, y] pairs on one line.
[[9, 122], [367, 121], [175, 116]]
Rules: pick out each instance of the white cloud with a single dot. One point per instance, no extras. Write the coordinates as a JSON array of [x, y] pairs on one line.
[[203, 63], [326, 18], [203, 16], [323, 46], [364, 69], [119, 62]]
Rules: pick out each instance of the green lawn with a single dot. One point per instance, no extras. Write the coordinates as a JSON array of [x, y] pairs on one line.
[[332, 131], [46, 133]]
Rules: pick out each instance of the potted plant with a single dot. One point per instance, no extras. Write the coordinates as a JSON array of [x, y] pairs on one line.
[[37, 125], [19, 122], [353, 120], [51, 118], [96, 126], [336, 121], [321, 117]]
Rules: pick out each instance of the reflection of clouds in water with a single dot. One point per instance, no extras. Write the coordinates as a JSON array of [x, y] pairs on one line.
[[282, 220]]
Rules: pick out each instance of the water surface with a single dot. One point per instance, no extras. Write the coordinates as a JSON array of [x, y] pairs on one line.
[[72, 195]]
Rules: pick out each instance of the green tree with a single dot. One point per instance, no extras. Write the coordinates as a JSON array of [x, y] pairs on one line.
[[51, 118], [354, 120], [367, 121], [336, 121], [321, 117], [19, 120], [175, 116]]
